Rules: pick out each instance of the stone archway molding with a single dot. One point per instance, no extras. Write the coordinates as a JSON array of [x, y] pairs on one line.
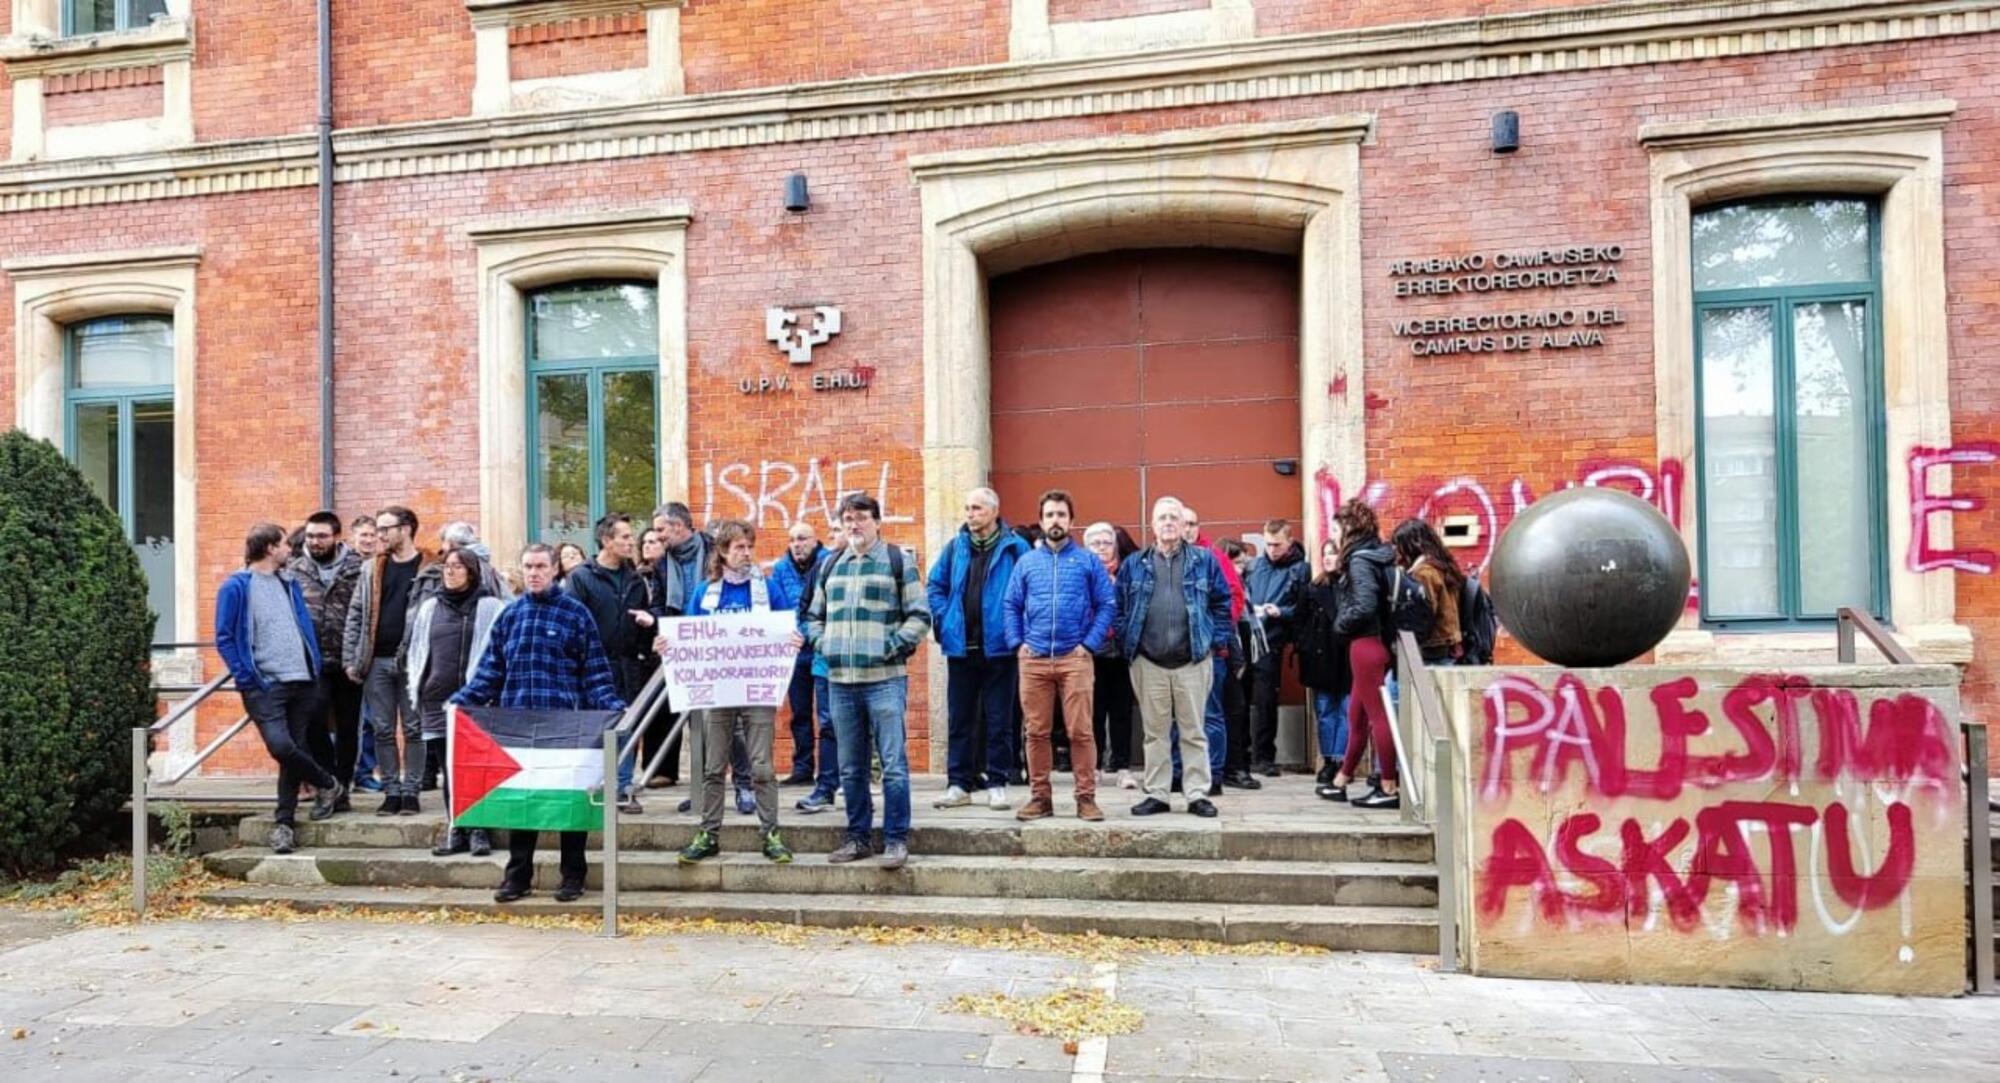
[[1288, 187]]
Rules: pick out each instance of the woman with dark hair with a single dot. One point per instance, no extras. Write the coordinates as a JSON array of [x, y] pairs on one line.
[[569, 557], [1323, 664], [1112, 706], [1363, 584], [652, 549], [1423, 557], [441, 644]]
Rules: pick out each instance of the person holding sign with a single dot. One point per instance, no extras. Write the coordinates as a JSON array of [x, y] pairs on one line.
[[737, 584], [1058, 612]]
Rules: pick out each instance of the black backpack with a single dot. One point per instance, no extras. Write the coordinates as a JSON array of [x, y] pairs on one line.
[[1409, 606], [1478, 625], [825, 572]]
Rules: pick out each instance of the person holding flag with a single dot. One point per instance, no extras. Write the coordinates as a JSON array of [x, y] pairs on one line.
[[543, 654], [737, 584]]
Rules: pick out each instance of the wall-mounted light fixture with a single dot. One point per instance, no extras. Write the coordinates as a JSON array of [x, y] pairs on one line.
[[1286, 467], [796, 199], [1506, 132]]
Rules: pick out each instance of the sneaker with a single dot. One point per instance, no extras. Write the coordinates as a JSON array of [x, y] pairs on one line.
[[368, 784], [327, 802], [953, 797], [704, 845], [391, 805], [895, 855], [455, 842], [481, 842], [997, 800], [282, 839], [1330, 792], [1126, 781], [815, 802], [686, 805], [746, 801], [775, 849], [1378, 799], [511, 893], [411, 806], [628, 804], [1037, 808], [1202, 807], [851, 850], [569, 892], [1086, 809], [1151, 806]]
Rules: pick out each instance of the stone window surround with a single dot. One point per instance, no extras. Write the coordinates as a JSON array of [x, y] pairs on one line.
[[1291, 187], [1031, 36], [1895, 155], [520, 255], [36, 50], [495, 91], [50, 294]]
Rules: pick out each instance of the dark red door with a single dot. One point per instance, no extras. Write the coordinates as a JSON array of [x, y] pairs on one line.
[[1129, 376]]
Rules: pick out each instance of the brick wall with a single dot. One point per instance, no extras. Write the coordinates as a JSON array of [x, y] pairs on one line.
[[256, 68], [601, 43], [1067, 11], [407, 298], [97, 96]]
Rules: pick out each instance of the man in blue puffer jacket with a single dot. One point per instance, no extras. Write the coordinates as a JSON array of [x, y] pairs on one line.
[[1060, 606], [966, 587]]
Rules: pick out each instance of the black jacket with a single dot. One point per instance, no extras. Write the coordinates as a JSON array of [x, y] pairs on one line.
[[1322, 652], [1364, 588], [609, 596]]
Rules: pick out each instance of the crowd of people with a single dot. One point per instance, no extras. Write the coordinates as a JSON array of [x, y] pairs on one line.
[[1062, 651]]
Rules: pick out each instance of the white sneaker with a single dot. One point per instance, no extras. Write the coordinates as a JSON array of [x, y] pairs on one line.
[[996, 798], [1126, 781], [953, 798]]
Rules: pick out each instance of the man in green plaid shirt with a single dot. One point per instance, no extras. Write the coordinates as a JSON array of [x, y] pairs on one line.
[[867, 616]]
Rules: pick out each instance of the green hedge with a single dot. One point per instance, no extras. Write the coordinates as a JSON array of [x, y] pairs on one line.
[[75, 632]]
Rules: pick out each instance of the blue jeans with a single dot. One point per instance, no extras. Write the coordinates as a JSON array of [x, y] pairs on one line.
[[828, 778], [364, 760], [980, 695], [1331, 712], [865, 713]]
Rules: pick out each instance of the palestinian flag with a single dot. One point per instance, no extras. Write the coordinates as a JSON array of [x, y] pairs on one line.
[[530, 770]]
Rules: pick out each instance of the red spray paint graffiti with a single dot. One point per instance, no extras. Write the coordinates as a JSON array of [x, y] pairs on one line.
[[1923, 556], [1694, 811]]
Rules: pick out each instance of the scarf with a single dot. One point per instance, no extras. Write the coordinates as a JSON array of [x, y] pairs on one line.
[[760, 591], [989, 541]]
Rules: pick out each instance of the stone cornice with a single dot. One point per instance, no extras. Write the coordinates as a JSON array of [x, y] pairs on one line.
[[144, 258], [1319, 131], [590, 223], [163, 40], [1578, 39], [1865, 120]]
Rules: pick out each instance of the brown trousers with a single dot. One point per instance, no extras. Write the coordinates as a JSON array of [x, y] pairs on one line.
[[1074, 678]]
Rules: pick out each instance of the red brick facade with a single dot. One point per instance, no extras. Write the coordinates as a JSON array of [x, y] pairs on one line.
[[407, 285]]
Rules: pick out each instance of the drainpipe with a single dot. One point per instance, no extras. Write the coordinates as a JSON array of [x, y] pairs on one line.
[[326, 253]]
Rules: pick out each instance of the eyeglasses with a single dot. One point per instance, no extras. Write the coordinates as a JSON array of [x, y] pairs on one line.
[[379, 527]]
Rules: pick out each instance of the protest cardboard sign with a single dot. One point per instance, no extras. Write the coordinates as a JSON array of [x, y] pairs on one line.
[[728, 660]]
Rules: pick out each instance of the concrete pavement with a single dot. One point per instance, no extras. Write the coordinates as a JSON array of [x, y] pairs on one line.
[[350, 1000]]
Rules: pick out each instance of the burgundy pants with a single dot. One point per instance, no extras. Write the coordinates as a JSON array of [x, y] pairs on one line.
[[1370, 661]]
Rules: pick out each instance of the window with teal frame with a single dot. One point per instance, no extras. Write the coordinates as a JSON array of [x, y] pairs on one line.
[[118, 428], [100, 16], [1789, 435], [593, 407]]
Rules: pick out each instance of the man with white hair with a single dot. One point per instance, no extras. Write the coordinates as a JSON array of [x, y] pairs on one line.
[[966, 591], [1173, 616]]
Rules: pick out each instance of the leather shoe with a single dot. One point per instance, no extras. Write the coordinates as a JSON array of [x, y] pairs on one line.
[[510, 893], [1215, 789], [1202, 807], [1241, 780], [569, 893], [1086, 809], [1037, 808], [1268, 770], [1151, 806]]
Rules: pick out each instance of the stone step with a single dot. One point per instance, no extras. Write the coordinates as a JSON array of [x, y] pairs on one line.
[[1143, 880], [1344, 928], [993, 834]]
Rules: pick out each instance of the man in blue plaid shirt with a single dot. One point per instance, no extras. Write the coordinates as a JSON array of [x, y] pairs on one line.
[[544, 653]]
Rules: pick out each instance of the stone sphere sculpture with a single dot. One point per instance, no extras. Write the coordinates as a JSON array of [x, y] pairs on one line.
[[1590, 577]]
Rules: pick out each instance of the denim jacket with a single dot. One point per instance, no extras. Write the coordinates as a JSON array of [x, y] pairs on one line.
[[1203, 590]]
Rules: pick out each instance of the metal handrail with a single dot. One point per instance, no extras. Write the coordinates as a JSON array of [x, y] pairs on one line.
[[1978, 799], [142, 746], [1420, 690]]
